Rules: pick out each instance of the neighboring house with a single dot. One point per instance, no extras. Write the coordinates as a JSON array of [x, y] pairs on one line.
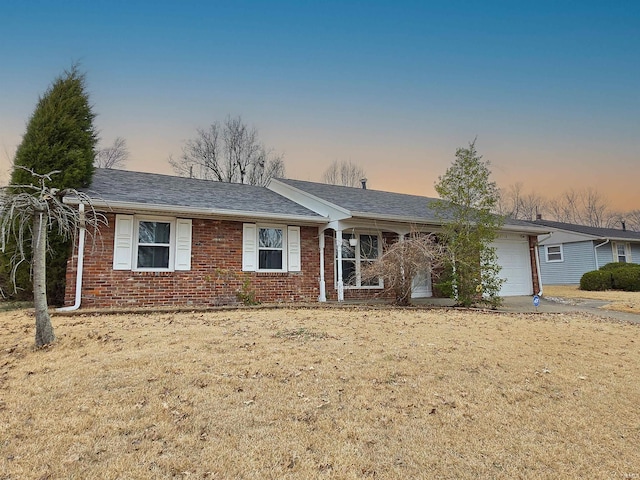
[[181, 241], [571, 250]]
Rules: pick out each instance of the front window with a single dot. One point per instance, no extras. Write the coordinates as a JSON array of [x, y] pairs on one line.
[[554, 253], [358, 251], [154, 244], [621, 252], [270, 248]]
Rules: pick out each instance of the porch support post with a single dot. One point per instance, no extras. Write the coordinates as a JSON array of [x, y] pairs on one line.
[[340, 282], [323, 288]]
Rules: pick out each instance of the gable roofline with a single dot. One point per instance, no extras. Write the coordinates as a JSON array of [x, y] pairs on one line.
[[339, 203], [308, 200], [592, 233]]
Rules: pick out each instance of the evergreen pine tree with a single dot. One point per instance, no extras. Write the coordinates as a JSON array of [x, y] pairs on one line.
[[60, 136]]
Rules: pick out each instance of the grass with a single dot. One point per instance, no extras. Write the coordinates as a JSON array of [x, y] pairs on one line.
[[329, 393], [618, 300]]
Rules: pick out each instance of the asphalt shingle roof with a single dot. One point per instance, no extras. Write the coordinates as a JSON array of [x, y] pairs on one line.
[[111, 185], [372, 203], [369, 202], [593, 231]]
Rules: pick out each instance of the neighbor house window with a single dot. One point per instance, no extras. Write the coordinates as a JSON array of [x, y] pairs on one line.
[[270, 248], [554, 253], [621, 252], [358, 251]]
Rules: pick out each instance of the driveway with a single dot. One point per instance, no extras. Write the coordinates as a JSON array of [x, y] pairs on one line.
[[524, 304]]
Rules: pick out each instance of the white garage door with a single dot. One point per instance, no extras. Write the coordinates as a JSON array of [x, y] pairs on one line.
[[513, 257]]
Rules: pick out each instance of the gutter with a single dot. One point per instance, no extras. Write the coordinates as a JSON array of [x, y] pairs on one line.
[[80, 265], [202, 212], [595, 251]]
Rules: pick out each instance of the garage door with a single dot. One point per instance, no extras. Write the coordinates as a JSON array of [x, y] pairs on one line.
[[513, 257]]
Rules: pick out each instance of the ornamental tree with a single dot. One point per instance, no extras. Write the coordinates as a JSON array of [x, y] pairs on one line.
[[31, 212], [468, 197]]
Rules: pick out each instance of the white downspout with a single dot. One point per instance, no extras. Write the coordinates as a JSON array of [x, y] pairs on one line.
[[80, 265], [595, 252], [340, 282], [323, 288], [537, 247]]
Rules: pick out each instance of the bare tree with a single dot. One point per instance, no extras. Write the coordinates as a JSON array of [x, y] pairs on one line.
[[403, 260], [34, 210], [516, 204], [344, 173], [228, 152], [632, 220], [582, 207], [114, 156]]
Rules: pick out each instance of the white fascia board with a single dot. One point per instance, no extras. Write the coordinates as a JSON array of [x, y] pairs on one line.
[[200, 212], [307, 200], [532, 230]]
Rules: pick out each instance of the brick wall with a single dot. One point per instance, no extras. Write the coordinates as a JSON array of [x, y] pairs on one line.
[[215, 277], [533, 245]]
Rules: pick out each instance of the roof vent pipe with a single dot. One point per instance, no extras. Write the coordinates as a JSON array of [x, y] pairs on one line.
[[624, 226], [363, 181]]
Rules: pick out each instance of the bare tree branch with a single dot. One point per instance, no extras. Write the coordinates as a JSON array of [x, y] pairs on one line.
[[228, 152], [403, 260], [343, 173], [32, 211], [115, 156]]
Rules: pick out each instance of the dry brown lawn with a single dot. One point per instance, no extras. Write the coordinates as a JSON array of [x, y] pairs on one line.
[[320, 393], [619, 300]]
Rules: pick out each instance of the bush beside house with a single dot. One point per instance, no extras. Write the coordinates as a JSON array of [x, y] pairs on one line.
[[613, 276]]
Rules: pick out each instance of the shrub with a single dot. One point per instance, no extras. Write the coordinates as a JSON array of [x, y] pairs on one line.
[[618, 265], [627, 278], [596, 280]]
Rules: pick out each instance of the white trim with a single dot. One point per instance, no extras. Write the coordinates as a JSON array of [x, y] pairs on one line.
[[291, 248], [561, 252], [162, 209], [283, 248], [171, 245], [356, 259], [627, 251]]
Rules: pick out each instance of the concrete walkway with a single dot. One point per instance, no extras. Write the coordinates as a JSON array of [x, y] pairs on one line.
[[524, 304]]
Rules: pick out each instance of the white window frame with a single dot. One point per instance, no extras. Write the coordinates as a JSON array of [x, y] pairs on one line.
[[561, 252], [627, 251], [291, 247], [283, 249], [126, 242], [172, 243], [358, 262]]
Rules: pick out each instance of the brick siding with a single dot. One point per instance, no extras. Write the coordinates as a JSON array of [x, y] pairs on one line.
[[215, 278]]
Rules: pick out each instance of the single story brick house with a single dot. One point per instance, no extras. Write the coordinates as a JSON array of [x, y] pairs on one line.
[[570, 250], [181, 241]]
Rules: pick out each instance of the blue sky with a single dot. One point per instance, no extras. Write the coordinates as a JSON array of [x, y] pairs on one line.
[[550, 88]]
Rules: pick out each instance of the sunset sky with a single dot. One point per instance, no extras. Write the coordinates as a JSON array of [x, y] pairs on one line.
[[550, 88]]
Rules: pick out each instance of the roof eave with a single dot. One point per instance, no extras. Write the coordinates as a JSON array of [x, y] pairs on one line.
[[199, 212]]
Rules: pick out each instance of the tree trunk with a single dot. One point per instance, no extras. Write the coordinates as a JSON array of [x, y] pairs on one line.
[[44, 329]]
